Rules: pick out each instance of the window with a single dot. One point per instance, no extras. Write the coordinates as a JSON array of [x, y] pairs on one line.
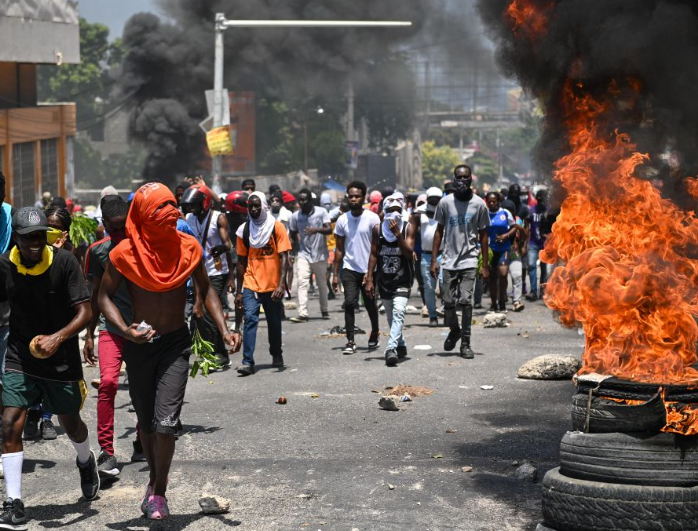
[[49, 166], [23, 187]]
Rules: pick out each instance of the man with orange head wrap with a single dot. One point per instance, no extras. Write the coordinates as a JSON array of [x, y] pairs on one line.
[[155, 261]]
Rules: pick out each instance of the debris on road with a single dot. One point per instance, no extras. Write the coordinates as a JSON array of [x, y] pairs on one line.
[[339, 331], [437, 456], [550, 367], [467, 469], [405, 398], [451, 430], [389, 403], [526, 472], [391, 487], [214, 505], [314, 395], [281, 400], [495, 320], [411, 390], [487, 387]]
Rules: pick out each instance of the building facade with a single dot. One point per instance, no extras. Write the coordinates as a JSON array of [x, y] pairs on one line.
[[35, 139]]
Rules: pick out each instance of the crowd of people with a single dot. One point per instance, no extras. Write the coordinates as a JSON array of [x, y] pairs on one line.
[[159, 270]]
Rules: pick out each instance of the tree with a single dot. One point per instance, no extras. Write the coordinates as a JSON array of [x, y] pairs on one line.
[[437, 163]]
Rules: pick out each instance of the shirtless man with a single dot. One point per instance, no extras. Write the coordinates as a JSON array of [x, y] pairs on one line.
[[155, 261]]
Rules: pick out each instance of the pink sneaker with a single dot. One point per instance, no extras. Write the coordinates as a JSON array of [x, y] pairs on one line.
[[157, 508], [144, 502]]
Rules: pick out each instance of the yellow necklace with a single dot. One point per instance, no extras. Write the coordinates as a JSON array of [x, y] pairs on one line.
[[38, 269]]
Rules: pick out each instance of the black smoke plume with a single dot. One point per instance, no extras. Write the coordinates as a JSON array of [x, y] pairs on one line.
[[169, 64], [597, 43]]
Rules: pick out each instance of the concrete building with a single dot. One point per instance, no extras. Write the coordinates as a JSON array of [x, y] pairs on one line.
[[35, 139]]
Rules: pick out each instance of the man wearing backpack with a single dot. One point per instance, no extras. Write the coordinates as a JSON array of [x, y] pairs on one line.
[[262, 247], [210, 228]]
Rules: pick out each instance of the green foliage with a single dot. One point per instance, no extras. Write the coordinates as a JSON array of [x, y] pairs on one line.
[[204, 358], [86, 83], [280, 139], [437, 163], [82, 230]]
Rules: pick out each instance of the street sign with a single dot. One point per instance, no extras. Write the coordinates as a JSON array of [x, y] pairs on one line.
[[219, 141]]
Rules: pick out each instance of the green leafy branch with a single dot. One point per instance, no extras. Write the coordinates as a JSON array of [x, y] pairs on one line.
[[82, 230], [204, 358]]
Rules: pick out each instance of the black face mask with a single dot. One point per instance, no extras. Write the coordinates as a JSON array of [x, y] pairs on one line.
[[462, 188]]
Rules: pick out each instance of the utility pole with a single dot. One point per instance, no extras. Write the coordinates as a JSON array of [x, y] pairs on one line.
[[217, 162], [222, 23], [427, 96], [350, 110]]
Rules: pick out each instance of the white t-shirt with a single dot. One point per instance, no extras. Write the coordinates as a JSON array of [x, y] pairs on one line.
[[358, 233], [213, 240], [427, 227], [283, 215]]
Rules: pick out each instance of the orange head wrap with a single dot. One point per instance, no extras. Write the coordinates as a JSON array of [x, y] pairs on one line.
[[155, 255]]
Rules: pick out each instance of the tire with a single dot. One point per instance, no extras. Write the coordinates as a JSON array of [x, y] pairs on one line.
[[664, 460], [623, 389], [607, 416], [577, 505]]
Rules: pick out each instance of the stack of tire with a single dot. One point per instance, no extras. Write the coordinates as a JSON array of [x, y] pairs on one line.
[[617, 470]]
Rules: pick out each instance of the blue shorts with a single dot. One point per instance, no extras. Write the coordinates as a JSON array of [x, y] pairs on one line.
[[500, 258]]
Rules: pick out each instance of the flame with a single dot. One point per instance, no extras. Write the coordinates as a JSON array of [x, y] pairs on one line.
[[528, 18], [626, 277], [691, 184]]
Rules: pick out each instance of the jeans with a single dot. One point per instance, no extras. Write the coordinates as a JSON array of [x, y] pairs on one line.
[[305, 273], [429, 283], [206, 325], [353, 283], [533, 252], [111, 349], [516, 274], [395, 312], [272, 309]]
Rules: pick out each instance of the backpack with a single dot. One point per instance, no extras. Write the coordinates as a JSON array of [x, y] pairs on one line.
[[246, 235]]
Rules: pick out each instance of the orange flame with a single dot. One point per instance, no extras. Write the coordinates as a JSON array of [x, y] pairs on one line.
[[625, 276], [528, 18]]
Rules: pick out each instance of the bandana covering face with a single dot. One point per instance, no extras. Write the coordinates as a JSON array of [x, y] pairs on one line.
[[396, 199], [38, 269], [155, 256], [260, 228]]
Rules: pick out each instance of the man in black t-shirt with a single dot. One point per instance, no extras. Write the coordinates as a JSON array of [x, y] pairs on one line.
[[49, 305]]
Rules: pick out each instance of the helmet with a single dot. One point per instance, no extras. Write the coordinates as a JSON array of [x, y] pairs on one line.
[[236, 202], [196, 195]]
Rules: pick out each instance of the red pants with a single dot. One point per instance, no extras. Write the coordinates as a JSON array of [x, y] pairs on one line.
[[111, 347]]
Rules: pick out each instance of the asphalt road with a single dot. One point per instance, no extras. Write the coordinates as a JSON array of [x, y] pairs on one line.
[[329, 462]]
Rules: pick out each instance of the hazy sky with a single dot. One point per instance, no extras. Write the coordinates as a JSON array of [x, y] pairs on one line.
[[113, 13]]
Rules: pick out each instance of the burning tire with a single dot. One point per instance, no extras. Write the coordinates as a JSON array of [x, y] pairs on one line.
[[571, 504], [601, 415], [637, 459]]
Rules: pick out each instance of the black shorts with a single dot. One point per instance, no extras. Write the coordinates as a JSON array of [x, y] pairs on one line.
[[157, 377]]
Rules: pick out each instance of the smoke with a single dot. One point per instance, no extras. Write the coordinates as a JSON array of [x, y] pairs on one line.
[[169, 64], [650, 43]]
